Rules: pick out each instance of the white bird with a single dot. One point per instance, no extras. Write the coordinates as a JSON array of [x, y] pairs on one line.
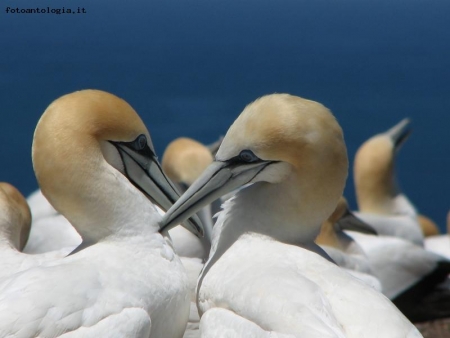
[[15, 223], [344, 251], [94, 161], [408, 274], [380, 201], [15, 217], [183, 161], [264, 267]]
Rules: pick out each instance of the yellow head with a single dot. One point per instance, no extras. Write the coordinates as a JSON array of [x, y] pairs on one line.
[[15, 215], [292, 148], [185, 159], [93, 156]]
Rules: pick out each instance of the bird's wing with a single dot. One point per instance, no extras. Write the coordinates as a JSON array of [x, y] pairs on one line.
[[130, 322], [53, 300]]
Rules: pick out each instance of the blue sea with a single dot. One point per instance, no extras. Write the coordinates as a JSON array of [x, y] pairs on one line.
[[190, 66]]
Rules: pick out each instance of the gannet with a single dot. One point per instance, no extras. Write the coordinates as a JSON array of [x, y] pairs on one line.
[[408, 273], [183, 161], [344, 251], [15, 223], [15, 217], [95, 162], [380, 201], [293, 152], [50, 231]]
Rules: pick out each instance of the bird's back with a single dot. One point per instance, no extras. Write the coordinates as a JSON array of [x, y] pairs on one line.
[[288, 289], [94, 286]]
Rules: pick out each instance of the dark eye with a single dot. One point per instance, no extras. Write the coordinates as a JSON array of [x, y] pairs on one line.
[[248, 156], [140, 142]]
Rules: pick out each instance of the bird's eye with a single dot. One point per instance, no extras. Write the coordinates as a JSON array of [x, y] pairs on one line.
[[140, 142], [248, 156]]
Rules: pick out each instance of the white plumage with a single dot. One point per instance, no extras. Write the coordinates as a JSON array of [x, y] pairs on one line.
[[380, 200], [90, 153], [264, 265]]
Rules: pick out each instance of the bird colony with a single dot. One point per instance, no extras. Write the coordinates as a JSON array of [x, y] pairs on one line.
[[248, 237]]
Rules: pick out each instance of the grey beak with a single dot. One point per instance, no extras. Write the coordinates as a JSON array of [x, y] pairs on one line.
[[217, 180], [144, 171], [399, 133], [350, 222]]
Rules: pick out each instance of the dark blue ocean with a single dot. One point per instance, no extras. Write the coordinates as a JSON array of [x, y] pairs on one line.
[[190, 66]]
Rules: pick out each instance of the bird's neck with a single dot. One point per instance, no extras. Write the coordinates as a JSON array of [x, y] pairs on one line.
[[328, 236], [278, 211], [107, 207], [383, 199], [290, 212], [376, 188]]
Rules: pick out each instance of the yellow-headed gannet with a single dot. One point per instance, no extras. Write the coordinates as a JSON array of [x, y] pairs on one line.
[[95, 162], [380, 201], [344, 251], [15, 222], [293, 152], [15, 218], [408, 274]]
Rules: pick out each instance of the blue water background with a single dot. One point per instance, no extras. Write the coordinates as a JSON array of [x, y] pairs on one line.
[[190, 66]]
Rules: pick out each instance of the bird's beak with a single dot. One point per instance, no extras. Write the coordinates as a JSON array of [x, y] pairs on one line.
[[144, 171], [350, 222], [218, 179], [399, 133]]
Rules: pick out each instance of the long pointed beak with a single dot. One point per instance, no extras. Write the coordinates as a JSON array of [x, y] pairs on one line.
[[399, 133], [217, 180], [350, 222], [145, 172]]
